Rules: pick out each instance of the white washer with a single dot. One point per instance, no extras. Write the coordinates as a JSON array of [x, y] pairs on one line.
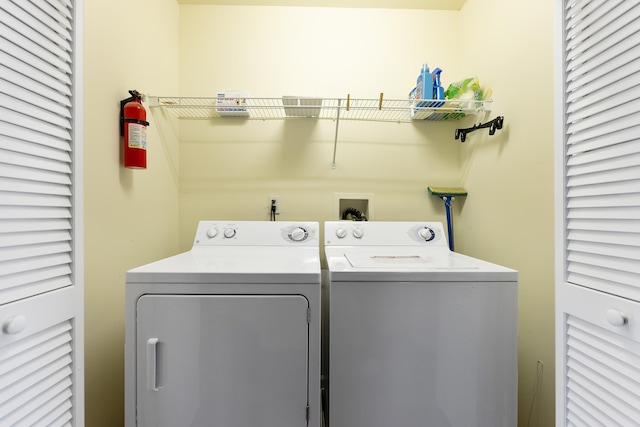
[[419, 335], [228, 333]]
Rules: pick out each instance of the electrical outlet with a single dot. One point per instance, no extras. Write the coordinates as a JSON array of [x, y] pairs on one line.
[[274, 200]]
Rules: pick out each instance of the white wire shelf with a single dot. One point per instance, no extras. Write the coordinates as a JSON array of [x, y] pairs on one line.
[[388, 110]]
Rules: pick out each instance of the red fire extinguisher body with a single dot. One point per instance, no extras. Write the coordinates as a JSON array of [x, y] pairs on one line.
[[135, 135]]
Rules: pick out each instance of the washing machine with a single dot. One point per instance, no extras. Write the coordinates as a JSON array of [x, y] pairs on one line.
[[418, 335], [228, 333]]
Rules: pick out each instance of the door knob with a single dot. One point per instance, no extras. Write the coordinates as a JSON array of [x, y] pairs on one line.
[[14, 324], [616, 317]]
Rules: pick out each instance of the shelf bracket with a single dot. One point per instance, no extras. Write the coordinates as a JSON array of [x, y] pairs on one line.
[[335, 141], [493, 125]]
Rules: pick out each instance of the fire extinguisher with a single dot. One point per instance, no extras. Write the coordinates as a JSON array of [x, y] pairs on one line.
[[133, 127]]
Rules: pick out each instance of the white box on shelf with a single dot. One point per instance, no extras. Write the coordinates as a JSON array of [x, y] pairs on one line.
[[232, 103]]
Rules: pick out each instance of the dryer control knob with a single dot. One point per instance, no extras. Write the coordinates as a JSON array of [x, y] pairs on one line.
[[358, 233], [341, 233], [229, 233], [212, 232], [426, 234], [298, 234]]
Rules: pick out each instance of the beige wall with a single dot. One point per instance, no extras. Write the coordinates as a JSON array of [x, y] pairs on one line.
[[227, 169], [131, 216], [509, 176]]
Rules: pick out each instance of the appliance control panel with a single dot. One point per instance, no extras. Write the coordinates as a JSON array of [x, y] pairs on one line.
[[256, 233], [383, 233]]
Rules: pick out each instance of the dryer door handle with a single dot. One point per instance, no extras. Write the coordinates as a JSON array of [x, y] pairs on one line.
[[153, 345]]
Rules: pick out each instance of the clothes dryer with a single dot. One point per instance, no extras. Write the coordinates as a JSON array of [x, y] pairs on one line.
[[228, 333], [419, 335]]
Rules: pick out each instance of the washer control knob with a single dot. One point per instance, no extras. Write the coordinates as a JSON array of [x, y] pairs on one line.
[[212, 232], [229, 233], [298, 234], [358, 233], [426, 234], [341, 233]]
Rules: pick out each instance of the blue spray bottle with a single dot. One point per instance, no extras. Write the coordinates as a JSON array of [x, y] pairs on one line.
[[438, 90], [438, 94]]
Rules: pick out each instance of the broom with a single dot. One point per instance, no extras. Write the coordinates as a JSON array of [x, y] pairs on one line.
[[448, 194]]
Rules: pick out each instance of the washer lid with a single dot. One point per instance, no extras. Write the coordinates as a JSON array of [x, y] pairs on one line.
[[411, 261], [402, 264]]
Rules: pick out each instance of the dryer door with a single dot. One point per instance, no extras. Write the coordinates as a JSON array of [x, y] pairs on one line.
[[222, 360]]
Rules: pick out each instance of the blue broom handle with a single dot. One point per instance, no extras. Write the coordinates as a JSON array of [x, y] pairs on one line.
[[447, 205]]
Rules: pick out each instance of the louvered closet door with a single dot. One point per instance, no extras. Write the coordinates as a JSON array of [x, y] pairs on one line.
[[598, 213], [602, 139], [40, 214]]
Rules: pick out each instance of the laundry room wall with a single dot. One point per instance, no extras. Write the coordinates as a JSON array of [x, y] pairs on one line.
[[229, 167], [508, 214], [131, 216]]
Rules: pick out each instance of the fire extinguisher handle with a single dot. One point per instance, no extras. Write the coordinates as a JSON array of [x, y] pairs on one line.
[[137, 95]]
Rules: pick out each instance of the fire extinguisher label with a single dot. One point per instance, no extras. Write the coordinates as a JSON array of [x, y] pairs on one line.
[[137, 136]]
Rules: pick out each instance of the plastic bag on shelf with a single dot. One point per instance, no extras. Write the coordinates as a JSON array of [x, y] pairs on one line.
[[468, 89]]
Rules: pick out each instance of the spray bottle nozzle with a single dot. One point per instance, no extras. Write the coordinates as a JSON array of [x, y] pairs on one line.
[[436, 76]]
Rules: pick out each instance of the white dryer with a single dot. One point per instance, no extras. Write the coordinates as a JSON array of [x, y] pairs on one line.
[[228, 333], [419, 335]]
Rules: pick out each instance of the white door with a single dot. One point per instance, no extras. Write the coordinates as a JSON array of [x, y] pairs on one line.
[[598, 213], [41, 272], [222, 360]]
